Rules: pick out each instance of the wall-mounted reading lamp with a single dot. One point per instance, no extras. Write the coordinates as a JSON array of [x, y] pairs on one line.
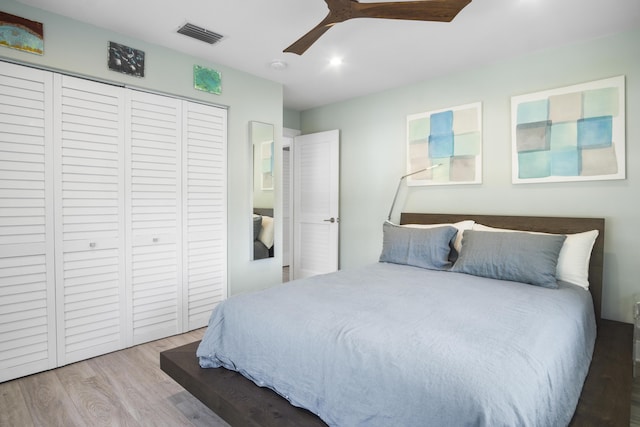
[[402, 178]]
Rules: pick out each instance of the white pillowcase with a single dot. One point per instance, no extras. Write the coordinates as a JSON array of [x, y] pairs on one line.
[[573, 260], [461, 226], [266, 232]]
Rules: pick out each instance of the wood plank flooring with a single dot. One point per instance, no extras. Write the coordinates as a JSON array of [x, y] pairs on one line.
[[124, 388]]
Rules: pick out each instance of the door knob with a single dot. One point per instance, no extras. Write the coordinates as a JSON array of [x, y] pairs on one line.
[[331, 220]]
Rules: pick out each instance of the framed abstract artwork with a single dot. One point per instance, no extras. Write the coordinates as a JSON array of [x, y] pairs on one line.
[[448, 143], [207, 80], [22, 34], [574, 133], [126, 60]]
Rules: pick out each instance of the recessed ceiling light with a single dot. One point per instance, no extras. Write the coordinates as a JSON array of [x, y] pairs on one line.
[[276, 64], [335, 62]]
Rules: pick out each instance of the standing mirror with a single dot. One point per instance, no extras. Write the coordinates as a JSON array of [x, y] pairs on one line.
[[262, 144]]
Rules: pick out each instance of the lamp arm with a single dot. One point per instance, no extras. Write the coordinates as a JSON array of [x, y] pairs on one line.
[[395, 198], [402, 178]]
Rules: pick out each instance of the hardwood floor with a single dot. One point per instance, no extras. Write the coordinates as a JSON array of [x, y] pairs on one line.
[[124, 388]]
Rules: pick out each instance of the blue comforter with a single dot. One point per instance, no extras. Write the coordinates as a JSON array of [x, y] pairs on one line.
[[393, 345]]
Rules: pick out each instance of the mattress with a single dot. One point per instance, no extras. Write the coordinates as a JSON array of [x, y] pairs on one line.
[[390, 344]]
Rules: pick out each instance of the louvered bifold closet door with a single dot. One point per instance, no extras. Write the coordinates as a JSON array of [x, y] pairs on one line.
[[90, 246], [205, 211], [154, 210], [27, 290]]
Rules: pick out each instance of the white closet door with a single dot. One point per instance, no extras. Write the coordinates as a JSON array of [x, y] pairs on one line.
[[27, 290], [154, 215], [205, 211], [90, 281]]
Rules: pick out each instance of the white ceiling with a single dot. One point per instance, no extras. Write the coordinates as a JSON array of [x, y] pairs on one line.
[[377, 54]]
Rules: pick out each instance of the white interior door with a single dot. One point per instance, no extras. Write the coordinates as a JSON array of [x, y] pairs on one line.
[[89, 227], [204, 193], [316, 203], [27, 287], [153, 159]]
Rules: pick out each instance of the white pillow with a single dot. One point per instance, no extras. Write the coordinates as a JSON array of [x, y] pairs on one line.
[[266, 232], [573, 260], [461, 226]]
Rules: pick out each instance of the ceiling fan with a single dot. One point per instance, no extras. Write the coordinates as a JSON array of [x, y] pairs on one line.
[[342, 10]]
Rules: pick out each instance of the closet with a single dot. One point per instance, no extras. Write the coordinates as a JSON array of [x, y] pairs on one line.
[[112, 217]]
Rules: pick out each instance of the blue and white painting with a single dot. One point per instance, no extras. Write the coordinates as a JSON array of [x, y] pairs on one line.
[[575, 133], [448, 143]]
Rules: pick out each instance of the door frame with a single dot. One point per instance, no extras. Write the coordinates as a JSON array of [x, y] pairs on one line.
[[288, 136]]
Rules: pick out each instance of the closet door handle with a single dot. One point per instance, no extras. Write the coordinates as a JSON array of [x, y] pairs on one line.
[[331, 220], [92, 245]]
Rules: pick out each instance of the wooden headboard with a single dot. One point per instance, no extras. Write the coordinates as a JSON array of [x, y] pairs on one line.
[[558, 225]]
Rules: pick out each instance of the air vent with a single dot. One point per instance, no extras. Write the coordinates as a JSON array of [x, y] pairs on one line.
[[200, 33]]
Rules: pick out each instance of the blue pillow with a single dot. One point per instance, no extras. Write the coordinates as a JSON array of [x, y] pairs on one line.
[[519, 257], [419, 247]]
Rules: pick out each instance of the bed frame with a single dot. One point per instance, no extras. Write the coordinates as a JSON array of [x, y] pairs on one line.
[[605, 398]]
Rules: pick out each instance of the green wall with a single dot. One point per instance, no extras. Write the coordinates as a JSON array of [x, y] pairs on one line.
[[291, 119], [81, 49], [372, 130]]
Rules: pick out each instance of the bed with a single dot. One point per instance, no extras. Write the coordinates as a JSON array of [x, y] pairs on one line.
[[469, 371], [263, 233]]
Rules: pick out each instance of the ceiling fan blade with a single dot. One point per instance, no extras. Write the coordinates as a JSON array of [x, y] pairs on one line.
[[425, 10], [305, 42], [342, 10], [339, 11]]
